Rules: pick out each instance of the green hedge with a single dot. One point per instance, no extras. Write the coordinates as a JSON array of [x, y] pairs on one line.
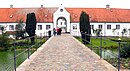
[[123, 39]]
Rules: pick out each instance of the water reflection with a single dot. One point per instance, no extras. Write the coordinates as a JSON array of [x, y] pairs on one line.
[[106, 54], [7, 62]]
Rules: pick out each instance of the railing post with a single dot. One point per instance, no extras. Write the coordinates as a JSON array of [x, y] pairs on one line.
[[85, 38], [28, 52], [14, 57], [28, 47], [119, 40], [101, 46], [41, 38], [44, 35], [91, 41]]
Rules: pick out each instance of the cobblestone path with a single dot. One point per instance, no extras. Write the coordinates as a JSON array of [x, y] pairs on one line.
[[65, 53]]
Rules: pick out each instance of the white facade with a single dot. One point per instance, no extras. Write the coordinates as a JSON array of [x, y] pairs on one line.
[[105, 30], [61, 19], [43, 28], [110, 31], [75, 29], [8, 27]]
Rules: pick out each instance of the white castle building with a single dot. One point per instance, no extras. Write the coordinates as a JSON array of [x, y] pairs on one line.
[[48, 18]]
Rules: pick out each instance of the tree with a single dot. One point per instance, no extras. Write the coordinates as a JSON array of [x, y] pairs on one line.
[[85, 27], [4, 41], [113, 30], [31, 25], [20, 30], [97, 32], [124, 31], [2, 29], [125, 50]]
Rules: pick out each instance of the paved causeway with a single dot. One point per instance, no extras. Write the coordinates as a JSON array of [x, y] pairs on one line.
[[64, 53]]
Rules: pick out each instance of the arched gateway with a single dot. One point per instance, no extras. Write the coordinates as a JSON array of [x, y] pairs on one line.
[[61, 19], [61, 22]]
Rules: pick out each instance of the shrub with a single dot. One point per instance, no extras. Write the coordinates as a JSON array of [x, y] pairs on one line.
[[97, 32], [125, 50], [124, 39], [126, 63], [20, 31], [4, 41]]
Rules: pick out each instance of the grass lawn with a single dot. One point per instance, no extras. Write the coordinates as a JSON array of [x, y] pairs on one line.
[[107, 44]]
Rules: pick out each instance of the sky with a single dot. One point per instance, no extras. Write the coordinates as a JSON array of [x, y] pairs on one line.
[[66, 3]]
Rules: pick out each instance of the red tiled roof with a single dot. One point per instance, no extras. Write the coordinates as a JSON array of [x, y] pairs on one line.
[[102, 14], [15, 14], [46, 14]]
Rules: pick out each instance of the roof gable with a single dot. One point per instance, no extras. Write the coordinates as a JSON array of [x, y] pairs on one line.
[[61, 10]]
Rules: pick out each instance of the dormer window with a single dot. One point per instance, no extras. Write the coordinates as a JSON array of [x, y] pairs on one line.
[[11, 16], [61, 10], [75, 16], [46, 15]]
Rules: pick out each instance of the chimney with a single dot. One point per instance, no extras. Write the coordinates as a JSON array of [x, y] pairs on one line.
[[107, 6], [41, 6], [11, 6]]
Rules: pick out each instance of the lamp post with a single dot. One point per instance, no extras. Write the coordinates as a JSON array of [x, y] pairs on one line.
[[119, 40]]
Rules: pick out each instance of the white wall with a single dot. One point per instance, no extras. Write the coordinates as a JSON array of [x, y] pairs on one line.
[[64, 14], [43, 32], [6, 26], [105, 31], [76, 32], [108, 32], [38, 32], [118, 31], [96, 27]]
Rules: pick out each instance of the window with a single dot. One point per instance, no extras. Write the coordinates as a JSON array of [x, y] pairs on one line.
[[61, 10], [100, 26], [61, 23], [39, 27], [11, 27], [108, 26], [74, 26], [48, 27], [117, 26], [92, 26]]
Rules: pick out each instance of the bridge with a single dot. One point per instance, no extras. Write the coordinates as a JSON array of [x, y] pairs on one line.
[[64, 53]]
